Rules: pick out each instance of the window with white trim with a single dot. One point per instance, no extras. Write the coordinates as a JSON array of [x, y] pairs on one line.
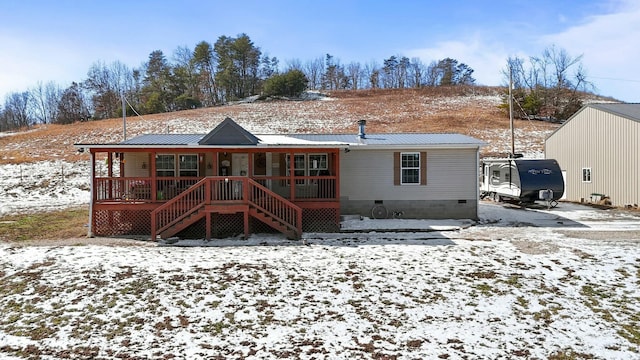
[[317, 164], [410, 168], [165, 165], [586, 175], [307, 165], [188, 165]]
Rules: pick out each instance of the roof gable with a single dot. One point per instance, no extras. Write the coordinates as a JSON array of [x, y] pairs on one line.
[[629, 111], [228, 132]]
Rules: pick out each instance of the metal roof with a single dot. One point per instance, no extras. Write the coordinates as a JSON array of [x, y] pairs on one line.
[[629, 111], [318, 140], [164, 139], [394, 139], [413, 139]]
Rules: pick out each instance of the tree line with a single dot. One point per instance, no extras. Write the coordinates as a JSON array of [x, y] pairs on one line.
[[208, 75], [214, 74], [548, 86]]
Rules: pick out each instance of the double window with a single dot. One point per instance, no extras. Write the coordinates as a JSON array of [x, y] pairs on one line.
[[166, 165], [307, 165]]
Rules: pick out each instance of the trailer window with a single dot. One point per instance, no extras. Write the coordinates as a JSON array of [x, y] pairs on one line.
[[495, 177], [410, 168], [586, 175]]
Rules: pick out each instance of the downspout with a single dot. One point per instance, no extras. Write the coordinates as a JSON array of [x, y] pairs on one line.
[[91, 192]]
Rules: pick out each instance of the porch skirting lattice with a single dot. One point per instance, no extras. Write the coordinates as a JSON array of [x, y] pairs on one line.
[[121, 222], [108, 222]]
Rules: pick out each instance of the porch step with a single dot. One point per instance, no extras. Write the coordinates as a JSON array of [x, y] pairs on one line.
[[274, 223], [183, 224]]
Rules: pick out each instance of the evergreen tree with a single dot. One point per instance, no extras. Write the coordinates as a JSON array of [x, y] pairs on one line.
[[292, 83], [205, 69]]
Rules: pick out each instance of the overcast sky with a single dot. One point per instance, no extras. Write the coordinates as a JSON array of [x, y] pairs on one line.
[[59, 40]]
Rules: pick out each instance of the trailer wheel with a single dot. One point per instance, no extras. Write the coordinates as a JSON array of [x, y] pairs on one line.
[[496, 197]]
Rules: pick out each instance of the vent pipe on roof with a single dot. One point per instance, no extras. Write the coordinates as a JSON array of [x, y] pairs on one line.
[[361, 125]]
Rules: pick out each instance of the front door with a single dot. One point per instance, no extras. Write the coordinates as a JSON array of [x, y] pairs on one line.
[[239, 164]]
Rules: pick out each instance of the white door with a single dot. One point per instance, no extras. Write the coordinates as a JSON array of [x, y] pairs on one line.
[[239, 164]]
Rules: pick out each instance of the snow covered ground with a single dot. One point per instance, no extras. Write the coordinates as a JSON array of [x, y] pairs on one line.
[[532, 284], [561, 283], [43, 186]]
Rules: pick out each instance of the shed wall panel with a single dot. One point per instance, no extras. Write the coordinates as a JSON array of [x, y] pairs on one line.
[[608, 144]]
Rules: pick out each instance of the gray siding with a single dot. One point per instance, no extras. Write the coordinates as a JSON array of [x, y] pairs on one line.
[[451, 190], [608, 144]]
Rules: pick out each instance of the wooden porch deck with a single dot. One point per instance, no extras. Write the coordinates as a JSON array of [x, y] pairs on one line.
[[195, 199]]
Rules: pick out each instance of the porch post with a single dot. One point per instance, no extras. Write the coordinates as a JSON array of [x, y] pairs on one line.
[[336, 191], [110, 173], [154, 181], [91, 191], [292, 182]]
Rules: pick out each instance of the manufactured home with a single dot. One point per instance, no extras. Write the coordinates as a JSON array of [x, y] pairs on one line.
[[598, 149], [231, 181]]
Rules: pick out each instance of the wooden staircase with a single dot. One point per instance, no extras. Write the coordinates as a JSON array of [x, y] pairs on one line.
[[226, 195]]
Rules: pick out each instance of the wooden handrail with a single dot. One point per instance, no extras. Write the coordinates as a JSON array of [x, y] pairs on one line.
[[275, 206], [217, 189], [179, 207]]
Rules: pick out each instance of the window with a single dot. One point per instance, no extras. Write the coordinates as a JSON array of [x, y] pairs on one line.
[[165, 165], [586, 175], [410, 168], [188, 165], [307, 165], [317, 164], [299, 166]]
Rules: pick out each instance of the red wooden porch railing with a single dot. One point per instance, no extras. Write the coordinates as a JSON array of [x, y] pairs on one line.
[[275, 206], [139, 189], [221, 190]]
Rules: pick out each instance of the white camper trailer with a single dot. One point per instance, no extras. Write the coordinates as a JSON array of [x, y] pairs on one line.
[[521, 181]]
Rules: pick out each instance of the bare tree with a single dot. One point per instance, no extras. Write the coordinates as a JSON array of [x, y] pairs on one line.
[[294, 64], [17, 110], [544, 87], [44, 101], [73, 105], [354, 73], [313, 70], [416, 72]]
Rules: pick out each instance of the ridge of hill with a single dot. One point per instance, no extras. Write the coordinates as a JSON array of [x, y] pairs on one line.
[[472, 111]]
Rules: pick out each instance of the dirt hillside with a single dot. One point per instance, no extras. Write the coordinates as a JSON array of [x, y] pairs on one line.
[[472, 111]]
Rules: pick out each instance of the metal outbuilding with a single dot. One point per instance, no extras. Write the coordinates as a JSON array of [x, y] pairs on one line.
[[598, 150]]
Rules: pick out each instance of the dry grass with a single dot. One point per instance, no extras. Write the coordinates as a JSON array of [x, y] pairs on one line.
[[62, 224], [465, 110]]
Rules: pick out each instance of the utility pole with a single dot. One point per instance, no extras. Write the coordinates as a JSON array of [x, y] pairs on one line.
[[124, 116], [513, 146]]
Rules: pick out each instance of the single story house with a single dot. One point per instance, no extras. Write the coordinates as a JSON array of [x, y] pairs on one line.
[[230, 181], [598, 150]]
